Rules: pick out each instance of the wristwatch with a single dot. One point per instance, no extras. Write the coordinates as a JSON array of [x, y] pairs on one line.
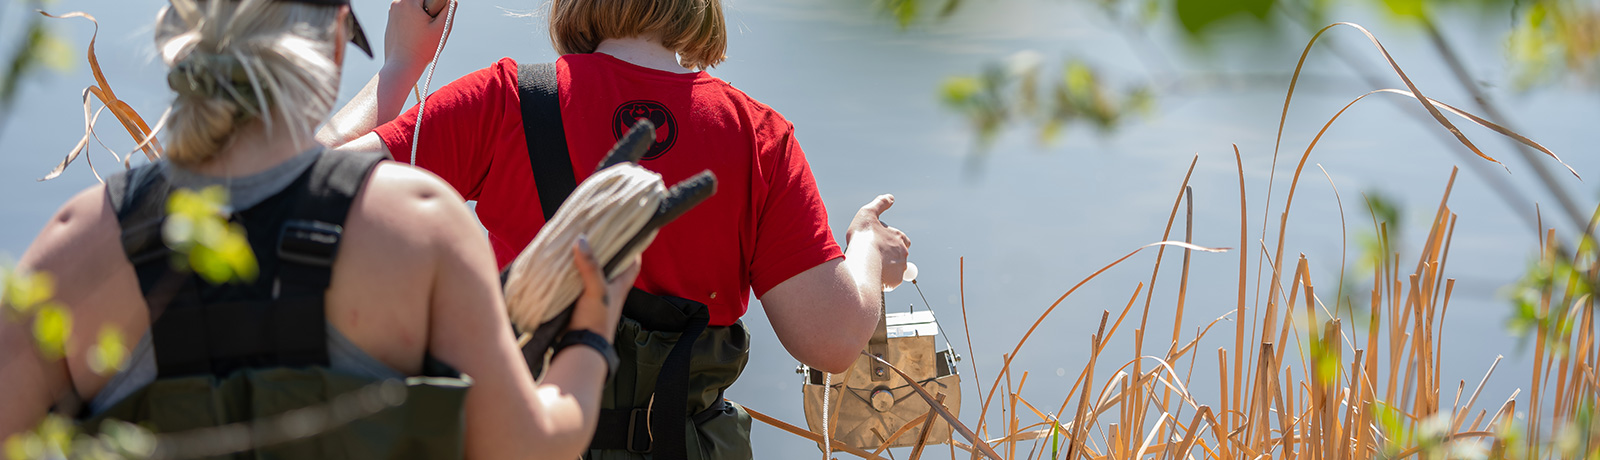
[[593, 340]]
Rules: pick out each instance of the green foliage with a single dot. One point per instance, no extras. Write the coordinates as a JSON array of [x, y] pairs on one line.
[[52, 327], [109, 355], [30, 296], [57, 438], [1386, 214], [1396, 432], [1513, 437], [25, 291], [981, 99], [1055, 440], [1549, 39], [1372, 250], [1012, 90], [1416, 10], [1575, 439], [197, 229], [907, 12], [1199, 16], [1429, 435], [38, 46], [1549, 278], [1552, 38], [1325, 366], [51, 439]]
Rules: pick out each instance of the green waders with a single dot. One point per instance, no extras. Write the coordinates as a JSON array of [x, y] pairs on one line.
[[251, 358], [654, 394], [353, 417]]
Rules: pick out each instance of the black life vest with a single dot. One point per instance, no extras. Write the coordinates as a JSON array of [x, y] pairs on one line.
[[244, 355]]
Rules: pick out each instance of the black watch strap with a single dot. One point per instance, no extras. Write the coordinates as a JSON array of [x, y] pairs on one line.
[[593, 340]]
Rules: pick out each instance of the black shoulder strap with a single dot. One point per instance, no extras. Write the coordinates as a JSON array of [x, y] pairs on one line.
[[538, 91], [309, 239], [139, 198]]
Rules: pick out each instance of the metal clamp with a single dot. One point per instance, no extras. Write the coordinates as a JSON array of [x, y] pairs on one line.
[[879, 344]]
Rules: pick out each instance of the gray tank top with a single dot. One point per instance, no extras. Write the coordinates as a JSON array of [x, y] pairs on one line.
[[243, 192]]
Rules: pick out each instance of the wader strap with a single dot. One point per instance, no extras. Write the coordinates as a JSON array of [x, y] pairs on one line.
[[668, 411], [670, 407], [538, 92], [629, 429], [660, 428]]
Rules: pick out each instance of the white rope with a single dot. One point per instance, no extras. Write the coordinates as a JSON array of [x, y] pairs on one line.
[[609, 207], [416, 129]]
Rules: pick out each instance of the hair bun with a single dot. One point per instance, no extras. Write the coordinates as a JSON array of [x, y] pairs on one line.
[[213, 76]]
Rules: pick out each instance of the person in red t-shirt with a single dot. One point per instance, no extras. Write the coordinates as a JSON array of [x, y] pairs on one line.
[[765, 230]]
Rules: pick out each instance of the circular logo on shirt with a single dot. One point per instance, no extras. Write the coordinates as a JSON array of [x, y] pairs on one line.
[[666, 127]]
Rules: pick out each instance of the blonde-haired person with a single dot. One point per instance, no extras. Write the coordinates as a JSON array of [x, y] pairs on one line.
[[766, 230], [369, 272]]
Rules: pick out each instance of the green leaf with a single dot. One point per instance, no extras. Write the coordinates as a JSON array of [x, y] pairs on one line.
[[24, 291], [109, 354], [1055, 441], [1396, 434], [1407, 9], [1080, 80], [55, 52], [197, 227], [17, 447], [904, 11], [1199, 16], [132, 441], [52, 326], [959, 91]]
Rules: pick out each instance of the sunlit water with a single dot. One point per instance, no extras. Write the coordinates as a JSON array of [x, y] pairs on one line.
[[1031, 219]]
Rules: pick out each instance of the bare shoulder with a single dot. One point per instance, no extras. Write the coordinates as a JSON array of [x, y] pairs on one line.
[[82, 235], [402, 188], [404, 198]]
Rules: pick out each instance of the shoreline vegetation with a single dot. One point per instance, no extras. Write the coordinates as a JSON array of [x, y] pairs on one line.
[[1300, 378]]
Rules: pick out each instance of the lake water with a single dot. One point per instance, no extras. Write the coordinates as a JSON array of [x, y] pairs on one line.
[[1030, 219]]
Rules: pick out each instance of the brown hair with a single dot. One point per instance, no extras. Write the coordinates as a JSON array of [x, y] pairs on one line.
[[692, 28]]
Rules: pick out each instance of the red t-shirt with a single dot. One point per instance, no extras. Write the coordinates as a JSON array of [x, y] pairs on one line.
[[765, 224]]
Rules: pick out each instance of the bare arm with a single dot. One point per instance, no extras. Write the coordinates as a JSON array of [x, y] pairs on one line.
[[507, 413], [81, 251], [824, 315], [33, 382], [410, 39]]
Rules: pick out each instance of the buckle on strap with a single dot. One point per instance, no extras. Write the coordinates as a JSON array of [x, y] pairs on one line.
[[639, 437], [309, 242]]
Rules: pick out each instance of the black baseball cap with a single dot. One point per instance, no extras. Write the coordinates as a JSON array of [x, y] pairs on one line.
[[357, 36]]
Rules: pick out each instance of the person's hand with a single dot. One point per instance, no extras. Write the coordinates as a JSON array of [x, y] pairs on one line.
[[412, 35], [600, 306], [888, 243]]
